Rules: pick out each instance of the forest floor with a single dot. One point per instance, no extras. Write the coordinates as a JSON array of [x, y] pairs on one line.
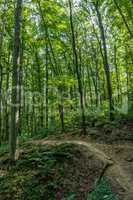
[[71, 167], [117, 157]]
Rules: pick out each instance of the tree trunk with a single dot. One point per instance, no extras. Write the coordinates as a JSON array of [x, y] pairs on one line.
[[117, 77], [106, 64], [47, 89], [80, 88], [15, 81], [6, 109], [1, 78], [20, 77], [61, 108]]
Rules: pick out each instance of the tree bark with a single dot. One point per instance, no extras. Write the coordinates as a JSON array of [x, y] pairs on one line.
[[15, 81], [47, 88], [117, 77], [106, 64], [80, 88]]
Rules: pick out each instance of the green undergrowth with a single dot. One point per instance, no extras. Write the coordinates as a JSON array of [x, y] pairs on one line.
[[52, 173], [102, 192]]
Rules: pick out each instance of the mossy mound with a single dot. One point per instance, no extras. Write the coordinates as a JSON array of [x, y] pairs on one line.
[[64, 172]]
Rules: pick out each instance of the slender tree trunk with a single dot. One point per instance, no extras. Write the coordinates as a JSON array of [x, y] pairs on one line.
[[117, 76], [33, 112], [6, 109], [90, 86], [77, 68], [61, 109], [61, 112], [1, 78], [15, 81], [123, 18], [20, 77], [47, 88], [6, 106], [39, 81], [95, 79], [106, 64], [127, 87], [33, 122]]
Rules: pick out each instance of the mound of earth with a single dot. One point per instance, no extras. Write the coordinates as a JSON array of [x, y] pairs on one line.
[[112, 132], [62, 172]]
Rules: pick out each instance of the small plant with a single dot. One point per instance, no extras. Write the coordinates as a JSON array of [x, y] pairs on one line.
[[102, 192], [71, 196]]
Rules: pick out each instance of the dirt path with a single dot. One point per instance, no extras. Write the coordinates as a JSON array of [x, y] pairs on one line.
[[118, 156]]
